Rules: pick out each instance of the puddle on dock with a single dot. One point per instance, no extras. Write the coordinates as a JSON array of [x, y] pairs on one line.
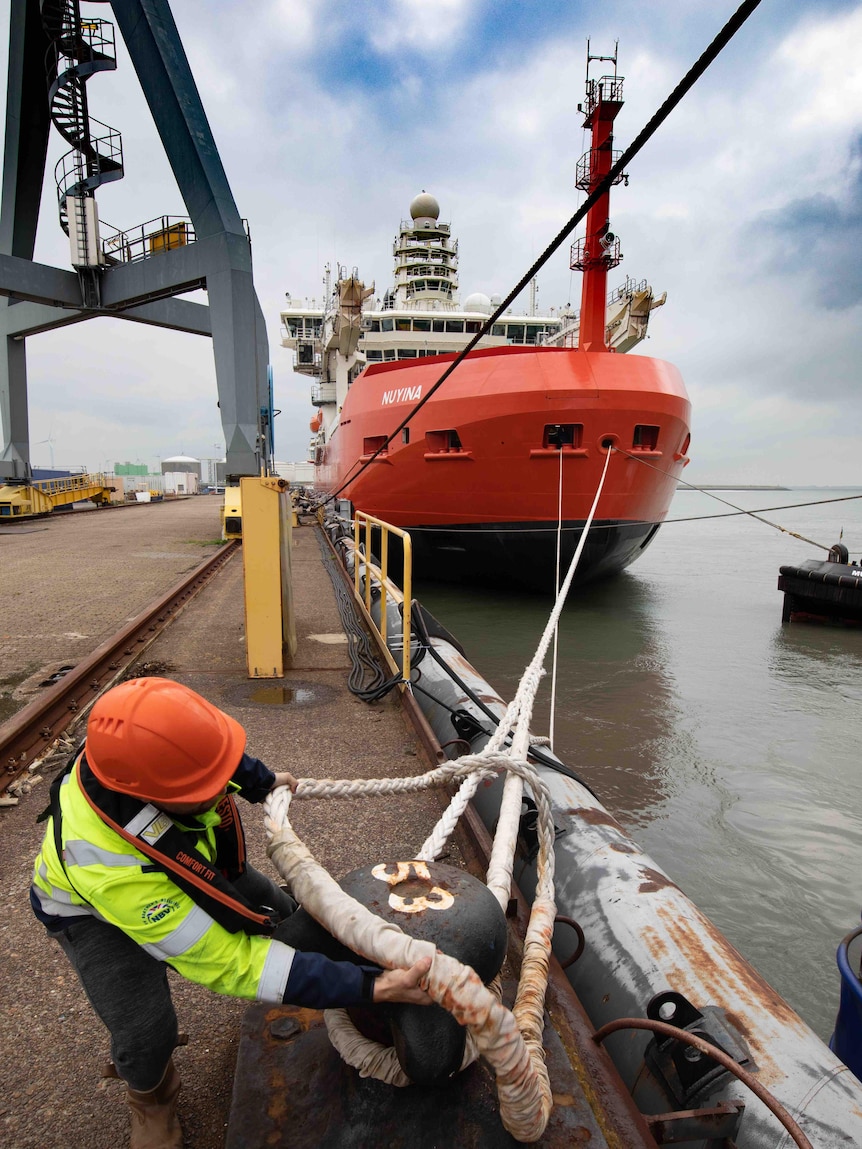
[[282, 695], [279, 694]]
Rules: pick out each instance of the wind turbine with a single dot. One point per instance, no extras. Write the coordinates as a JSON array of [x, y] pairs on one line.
[[50, 442]]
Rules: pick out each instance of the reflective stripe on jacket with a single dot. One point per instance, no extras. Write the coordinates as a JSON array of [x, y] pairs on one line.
[[106, 877]]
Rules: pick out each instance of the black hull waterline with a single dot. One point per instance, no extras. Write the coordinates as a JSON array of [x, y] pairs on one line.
[[525, 554]]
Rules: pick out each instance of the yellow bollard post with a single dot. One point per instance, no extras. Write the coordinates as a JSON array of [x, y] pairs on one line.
[[270, 629]]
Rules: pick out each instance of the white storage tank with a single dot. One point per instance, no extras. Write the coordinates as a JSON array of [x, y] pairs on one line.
[[181, 463]]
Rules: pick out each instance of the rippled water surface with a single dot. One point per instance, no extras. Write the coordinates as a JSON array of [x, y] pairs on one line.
[[728, 743]]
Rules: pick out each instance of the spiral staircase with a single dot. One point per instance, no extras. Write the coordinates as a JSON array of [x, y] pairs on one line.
[[79, 48]]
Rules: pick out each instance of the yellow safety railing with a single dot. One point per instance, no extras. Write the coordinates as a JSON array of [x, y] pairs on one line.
[[68, 483], [369, 521]]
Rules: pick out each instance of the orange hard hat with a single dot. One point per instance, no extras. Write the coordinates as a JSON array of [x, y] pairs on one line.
[[161, 742]]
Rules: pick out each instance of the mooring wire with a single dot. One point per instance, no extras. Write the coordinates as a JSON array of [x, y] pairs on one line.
[[649, 129], [497, 529], [759, 510], [727, 503]]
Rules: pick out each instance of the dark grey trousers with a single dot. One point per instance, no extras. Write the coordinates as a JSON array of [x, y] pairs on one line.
[[128, 989]]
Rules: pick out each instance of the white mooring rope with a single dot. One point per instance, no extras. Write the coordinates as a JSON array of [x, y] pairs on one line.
[[556, 592], [510, 1041]]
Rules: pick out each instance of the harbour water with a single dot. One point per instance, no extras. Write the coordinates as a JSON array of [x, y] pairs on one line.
[[724, 740]]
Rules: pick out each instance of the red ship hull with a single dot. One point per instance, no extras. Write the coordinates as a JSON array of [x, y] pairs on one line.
[[489, 509]]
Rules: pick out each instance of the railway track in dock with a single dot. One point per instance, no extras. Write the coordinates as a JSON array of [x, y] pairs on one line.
[[30, 734]]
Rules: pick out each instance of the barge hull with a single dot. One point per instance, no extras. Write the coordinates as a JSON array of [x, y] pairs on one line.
[[644, 938]]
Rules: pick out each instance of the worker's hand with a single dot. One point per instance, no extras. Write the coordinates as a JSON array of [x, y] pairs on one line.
[[403, 984], [282, 778]]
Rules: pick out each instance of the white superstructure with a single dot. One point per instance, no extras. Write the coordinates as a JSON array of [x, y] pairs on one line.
[[334, 338]]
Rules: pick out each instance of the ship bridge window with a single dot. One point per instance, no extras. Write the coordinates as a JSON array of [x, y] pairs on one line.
[[443, 441], [387, 324], [472, 326], [374, 356], [421, 324], [408, 353], [438, 325], [562, 435], [375, 324], [645, 438], [455, 325], [534, 333], [373, 443], [402, 324], [498, 329], [389, 353], [515, 332]]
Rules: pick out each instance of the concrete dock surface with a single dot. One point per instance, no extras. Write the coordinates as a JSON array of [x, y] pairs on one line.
[[69, 583]]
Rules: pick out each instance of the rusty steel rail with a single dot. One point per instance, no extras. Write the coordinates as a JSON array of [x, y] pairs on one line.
[[30, 732]]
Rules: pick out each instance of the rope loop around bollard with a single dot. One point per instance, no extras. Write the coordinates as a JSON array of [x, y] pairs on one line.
[[511, 1041]]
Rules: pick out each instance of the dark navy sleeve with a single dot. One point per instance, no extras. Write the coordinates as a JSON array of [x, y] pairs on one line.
[[318, 983], [253, 778]]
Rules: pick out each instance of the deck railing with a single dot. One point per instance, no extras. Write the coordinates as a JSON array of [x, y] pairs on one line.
[[362, 520]]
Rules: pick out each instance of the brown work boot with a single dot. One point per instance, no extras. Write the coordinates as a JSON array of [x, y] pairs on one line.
[[155, 1124]]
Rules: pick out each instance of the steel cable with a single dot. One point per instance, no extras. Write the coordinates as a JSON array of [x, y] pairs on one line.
[[737, 510]]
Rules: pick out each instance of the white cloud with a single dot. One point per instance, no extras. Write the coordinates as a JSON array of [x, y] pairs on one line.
[[295, 19], [418, 26], [824, 61]]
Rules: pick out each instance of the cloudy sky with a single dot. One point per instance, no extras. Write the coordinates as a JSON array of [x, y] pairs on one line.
[[330, 115]]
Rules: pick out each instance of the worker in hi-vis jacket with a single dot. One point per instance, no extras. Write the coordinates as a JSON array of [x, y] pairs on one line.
[[143, 866]]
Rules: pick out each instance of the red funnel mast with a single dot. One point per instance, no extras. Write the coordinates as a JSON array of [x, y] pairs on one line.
[[599, 250]]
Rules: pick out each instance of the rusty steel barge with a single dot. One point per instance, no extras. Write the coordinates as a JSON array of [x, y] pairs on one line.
[[651, 964]]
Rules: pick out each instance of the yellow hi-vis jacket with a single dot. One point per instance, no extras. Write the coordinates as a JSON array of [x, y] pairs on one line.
[[104, 876]]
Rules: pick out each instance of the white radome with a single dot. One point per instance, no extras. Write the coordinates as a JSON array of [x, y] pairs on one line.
[[478, 302], [424, 206]]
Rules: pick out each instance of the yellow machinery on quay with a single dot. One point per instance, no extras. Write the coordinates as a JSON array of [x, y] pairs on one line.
[[41, 496]]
